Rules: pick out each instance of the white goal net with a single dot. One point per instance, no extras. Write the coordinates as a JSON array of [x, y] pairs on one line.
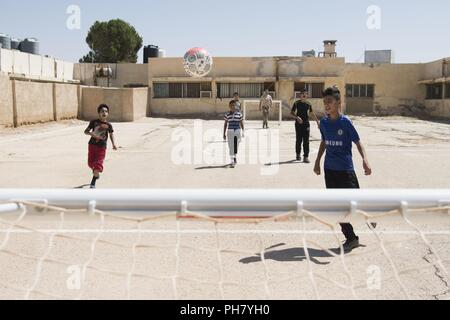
[[251, 111], [223, 244]]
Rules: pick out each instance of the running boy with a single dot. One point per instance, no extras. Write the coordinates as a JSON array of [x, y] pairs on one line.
[[99, 130], [338, 133], [234, 131]]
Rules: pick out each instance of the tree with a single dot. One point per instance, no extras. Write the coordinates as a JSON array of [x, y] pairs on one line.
[[114, 41]]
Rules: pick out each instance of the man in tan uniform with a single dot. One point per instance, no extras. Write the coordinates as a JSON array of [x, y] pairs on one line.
[[265, 105]]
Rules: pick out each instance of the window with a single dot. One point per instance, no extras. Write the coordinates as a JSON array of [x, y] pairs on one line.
[[435, 91], [360, 91], [315, 89], [245, 90], [180, 90], [447, 90]]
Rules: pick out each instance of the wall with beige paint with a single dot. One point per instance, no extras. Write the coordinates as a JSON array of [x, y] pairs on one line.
[[397, 89], [123, 74], [125, 104], [34, 102], [438, 108], [6, 101], [66, 101]]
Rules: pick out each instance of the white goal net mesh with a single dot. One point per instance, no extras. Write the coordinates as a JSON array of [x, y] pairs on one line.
[[212, 250]]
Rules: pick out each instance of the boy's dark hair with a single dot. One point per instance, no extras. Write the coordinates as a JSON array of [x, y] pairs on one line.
[[332, 92], [101, 107], [236, 94], [232, 103]]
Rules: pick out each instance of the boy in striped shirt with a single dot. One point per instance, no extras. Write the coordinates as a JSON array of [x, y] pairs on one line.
[[233, 131]]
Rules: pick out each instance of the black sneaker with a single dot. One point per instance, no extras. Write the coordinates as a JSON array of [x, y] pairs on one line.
[[306, 160], [299, 158], [349, 245], [373, 224], [93, 187]]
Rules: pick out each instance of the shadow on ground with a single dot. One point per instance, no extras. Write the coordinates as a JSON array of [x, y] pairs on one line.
[[293, 255]]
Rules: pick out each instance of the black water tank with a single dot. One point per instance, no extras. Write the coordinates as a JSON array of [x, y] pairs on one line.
[[30, 45], [5, 41], [150, 51], [15, 43]]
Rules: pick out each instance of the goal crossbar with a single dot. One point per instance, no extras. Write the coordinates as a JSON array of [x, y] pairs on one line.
[[229, 202]]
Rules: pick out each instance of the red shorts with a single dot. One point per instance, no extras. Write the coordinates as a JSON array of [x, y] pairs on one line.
[[96, 157]]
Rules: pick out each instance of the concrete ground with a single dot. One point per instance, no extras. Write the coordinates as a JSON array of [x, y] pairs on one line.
[[199, 260]]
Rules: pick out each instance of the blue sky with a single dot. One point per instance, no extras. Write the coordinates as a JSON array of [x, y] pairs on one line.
[[417, 31]]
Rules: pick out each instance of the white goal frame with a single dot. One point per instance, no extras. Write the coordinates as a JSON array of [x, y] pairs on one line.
[[228, 203], [279, 102]]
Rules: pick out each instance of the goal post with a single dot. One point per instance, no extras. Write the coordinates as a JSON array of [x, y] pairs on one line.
[[231, 202], [251, 110], [174, 244]]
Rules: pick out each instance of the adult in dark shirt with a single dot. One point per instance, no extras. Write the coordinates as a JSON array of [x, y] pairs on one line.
[[300, 112]]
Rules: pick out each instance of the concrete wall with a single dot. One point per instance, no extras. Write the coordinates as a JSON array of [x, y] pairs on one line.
[[125, 104], [397, 89], [140, 103], [438, 108], [21, 63], [6, 61], [6, 101], [437, 69], [34, 102], [123, 74], [323, 67], [66, 101], [35, 66]]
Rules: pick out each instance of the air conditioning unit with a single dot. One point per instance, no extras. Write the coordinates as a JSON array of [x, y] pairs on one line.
[[206, 94]]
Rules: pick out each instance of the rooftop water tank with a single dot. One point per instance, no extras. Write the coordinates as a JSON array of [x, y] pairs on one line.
[[15, 44], [30, 45], [5, 41], [150, 51]]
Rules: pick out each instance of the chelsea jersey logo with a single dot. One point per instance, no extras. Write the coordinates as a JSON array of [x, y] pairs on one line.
[[340, 132]]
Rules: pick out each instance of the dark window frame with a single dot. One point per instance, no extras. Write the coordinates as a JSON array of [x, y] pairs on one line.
[[435, 91], [360, 90], [182, 90], [315, 89]]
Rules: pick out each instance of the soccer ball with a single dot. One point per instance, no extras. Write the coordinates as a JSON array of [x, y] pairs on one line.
[[198, 62]]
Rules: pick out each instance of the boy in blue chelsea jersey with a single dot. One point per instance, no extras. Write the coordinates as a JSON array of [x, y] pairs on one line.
[[338, 135]]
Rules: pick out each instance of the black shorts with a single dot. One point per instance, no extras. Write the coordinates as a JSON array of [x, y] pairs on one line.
[[341, 179]]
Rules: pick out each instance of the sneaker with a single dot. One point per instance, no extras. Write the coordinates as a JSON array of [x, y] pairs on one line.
[[299, 158], [373, 224], [349, 245], [92, 187], [306, 160]]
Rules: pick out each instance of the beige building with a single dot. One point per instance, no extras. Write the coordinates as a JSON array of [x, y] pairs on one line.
[[421, 89], [162, 88]]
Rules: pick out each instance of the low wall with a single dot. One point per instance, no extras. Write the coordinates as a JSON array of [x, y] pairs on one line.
[[125, 104], [438, 108], [6, 102], [66, 101], [34, 102], [28, 102]]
